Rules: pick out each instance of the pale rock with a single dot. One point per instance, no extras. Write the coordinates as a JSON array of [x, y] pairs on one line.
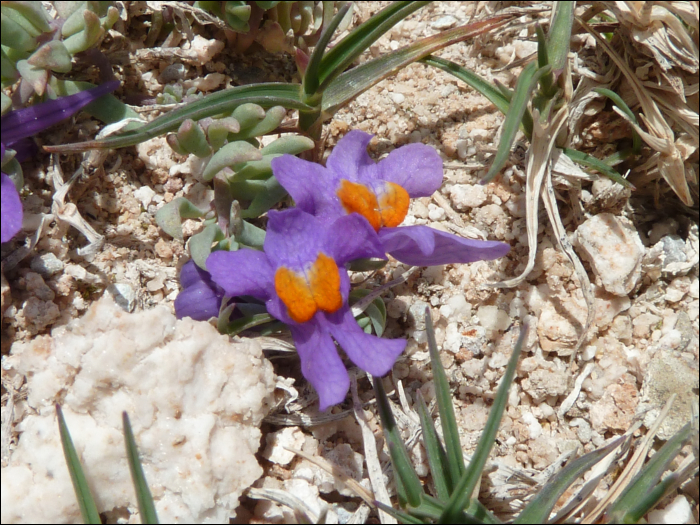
[[466, 196], [621, 328], [290, 437], [616, 409], [533, 425], [436, 213], [47, 264], [493, 319], [542, 383], [37, 287], [210, 82], [419, 209], [39, 314], [643, 324], [474, 416], [461, 309], [416, 314], [444, 22], [614, 250], [662, 229], [678, 512], [124, 296], [144, 195], [556, 332], [343, 457], [309, 496], [678, 289], [667, 374], [397, 98], [195, 400], [203, 50]]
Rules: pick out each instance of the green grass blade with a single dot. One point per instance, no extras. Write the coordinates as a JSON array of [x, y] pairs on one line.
[[450, 431], [538, 510], [400, 516], [359, 39], [640, 493], [463, 491], [518, 105], [143, 495], [311, 76], [617, 100], [246, 323], [559, 37], [473, 80], [86, 502], [598, 165], [498, 95], [480, 512], [221, 102], [437, 459], [357, 80], [407, 480]]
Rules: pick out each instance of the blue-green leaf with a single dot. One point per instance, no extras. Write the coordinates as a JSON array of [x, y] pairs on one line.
[[143, 495], [86, 502]]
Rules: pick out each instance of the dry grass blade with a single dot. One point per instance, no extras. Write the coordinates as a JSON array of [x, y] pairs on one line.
[[338, 475], [301, 509], [632, 468], [374, 468], [659, 136]]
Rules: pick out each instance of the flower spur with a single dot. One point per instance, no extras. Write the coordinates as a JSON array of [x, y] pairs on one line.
[[18, 126], [380, 191]]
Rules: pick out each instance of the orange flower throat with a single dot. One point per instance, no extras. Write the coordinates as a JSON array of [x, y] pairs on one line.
[[387, 211]]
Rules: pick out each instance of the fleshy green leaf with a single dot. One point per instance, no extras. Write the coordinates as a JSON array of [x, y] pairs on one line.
[[450, 430], [462, 494], [270, 193], [246, 323], [201, 244], [170, 216], [231, 154], [86, 502], [143, 495], [191, 138]]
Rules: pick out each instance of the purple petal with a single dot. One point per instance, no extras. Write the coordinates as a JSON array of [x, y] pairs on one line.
[[11, 213], [320, 362], [308, 183], [244, 272], [294, 238], [372, 354], [351, 237], [424, 246], [24, 149], [417, 168], [199, 301], [349, 158], [27, 122], [192, 274]]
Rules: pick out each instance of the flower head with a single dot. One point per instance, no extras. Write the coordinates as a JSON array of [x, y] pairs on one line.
[[302, 278], [380, 192], [18, 126], [200, 297]]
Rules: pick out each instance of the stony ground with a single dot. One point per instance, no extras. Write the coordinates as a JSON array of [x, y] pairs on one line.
[[642, 347]]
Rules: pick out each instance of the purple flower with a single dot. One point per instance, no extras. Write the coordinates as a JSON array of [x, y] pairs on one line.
[[301, 277], [200, 297], [380, 191], [18, 126]]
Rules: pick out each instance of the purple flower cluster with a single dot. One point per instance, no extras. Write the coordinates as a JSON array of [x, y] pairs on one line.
[[348, 210], [17, 128]]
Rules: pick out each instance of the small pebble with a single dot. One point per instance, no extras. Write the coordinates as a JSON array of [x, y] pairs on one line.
[[444, 22], [46, 265]]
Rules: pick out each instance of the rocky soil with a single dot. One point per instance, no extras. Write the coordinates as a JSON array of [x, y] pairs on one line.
[[641, 255]]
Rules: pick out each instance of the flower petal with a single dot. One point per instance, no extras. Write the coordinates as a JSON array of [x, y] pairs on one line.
[[308, 183], [320, 362], [424, 246], [293, 238], [11, 213], [244, 272], [199, 301], [372, 354], [349, 159], [351, 237], [417, 168]]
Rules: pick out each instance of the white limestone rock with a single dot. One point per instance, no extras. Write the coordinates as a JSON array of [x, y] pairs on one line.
[[195, 401], [613, 247]]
